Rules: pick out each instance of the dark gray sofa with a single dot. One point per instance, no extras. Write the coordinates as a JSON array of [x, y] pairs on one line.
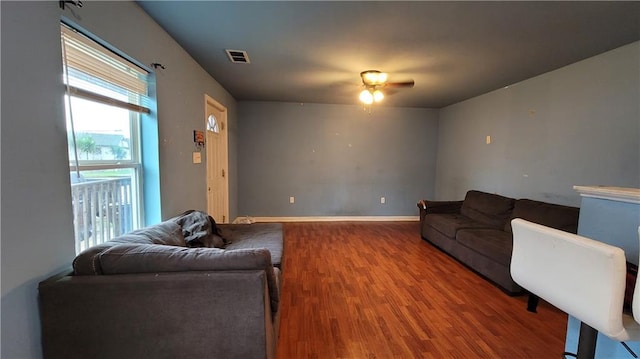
[[147, 294], [477, 230]]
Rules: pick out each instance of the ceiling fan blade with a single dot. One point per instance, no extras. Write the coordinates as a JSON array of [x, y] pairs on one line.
[[408, 83]]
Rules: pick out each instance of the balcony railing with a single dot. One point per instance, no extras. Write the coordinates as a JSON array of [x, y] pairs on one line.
[[101, 210]]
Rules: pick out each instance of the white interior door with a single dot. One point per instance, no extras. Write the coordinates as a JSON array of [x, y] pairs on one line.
[[217, 160]]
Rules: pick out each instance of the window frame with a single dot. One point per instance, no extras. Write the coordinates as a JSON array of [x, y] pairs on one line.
[[137, 112]]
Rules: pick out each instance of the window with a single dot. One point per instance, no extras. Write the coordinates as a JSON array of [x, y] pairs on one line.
[[105, 100], [212, 124]]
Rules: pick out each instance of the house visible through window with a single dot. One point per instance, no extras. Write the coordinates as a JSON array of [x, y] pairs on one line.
[[104, 100]]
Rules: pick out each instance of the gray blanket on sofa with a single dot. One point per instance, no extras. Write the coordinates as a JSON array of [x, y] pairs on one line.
[[200, 230]]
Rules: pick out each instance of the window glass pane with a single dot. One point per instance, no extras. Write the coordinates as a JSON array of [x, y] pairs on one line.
[[104, 205], [103, 132], [212, 124]]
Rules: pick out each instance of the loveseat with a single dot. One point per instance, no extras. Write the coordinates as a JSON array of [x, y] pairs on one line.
[[183, 288], [477, 231]]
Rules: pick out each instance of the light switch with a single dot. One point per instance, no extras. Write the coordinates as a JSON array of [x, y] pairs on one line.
[[197, 157]]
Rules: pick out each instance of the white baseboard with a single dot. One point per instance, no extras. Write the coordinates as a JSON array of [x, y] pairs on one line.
[[340, 219]]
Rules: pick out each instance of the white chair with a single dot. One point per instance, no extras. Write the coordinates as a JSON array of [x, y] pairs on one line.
[[580, 276], [635, 305]]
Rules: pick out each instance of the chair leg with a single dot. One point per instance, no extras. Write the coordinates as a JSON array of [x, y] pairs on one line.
[[532, 303], [587, 342], [629, 349]]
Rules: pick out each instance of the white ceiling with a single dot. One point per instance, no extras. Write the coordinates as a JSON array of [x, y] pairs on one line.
[[314, 51]]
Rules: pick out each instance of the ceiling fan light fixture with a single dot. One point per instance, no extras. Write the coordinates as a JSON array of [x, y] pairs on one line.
[[374, 77], [378, 95], [366, 97], [373, 82], [371, 95]]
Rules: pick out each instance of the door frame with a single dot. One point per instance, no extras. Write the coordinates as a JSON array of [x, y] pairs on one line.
[[224, 157]]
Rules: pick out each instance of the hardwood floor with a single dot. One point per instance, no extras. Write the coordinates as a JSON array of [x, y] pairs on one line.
[[377, 290]]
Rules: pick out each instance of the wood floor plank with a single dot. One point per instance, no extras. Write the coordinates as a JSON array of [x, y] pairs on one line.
[[377, 290]]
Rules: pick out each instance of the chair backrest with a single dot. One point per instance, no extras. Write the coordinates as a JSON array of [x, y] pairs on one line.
[[635, 305], [582, 277]]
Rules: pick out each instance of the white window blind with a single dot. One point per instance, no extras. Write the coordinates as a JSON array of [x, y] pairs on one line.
[[96, 73]]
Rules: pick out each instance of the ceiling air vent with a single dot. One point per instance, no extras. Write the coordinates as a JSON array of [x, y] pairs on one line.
[[238, 56]]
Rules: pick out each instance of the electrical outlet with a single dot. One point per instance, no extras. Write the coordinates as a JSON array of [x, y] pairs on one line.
[[383, 200], [292, 200]]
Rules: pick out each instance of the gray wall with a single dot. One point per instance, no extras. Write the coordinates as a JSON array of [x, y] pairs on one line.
[[36, 232], [578, 125], [336, 160]]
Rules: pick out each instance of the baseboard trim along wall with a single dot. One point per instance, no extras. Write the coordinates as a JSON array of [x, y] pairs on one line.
[[339, 219]]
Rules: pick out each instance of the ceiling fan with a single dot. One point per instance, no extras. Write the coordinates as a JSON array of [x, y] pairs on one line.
[[374, 81]]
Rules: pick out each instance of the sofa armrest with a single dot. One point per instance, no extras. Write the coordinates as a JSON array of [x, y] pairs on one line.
[[427, 207], [440, 206], [195, 314]]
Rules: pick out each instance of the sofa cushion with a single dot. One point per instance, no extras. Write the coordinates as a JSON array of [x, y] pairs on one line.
[[488, 208], [449, 224], [257, 235], [148, 258], [492, 243], [165, 233], [556, 216]]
